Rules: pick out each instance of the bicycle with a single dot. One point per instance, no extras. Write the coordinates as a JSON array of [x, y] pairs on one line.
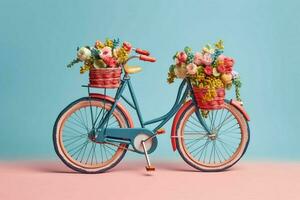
[[93, 133]]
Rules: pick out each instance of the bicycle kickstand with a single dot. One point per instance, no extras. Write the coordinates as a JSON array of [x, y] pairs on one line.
[[148, 167]]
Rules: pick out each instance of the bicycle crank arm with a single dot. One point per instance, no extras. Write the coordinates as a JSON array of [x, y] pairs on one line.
[[132, 136]]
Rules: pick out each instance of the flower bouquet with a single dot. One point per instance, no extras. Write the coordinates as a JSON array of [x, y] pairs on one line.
[[210, 73], [104, 62]]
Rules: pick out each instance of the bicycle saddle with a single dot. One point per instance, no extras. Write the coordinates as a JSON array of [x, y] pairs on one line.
[[132, 69]]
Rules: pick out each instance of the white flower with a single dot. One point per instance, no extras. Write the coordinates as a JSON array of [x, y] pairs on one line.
[[235, 74], [215, 72], [83, 54], [180, 72]]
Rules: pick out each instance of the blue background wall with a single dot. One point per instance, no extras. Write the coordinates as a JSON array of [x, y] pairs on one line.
[[38, 39]]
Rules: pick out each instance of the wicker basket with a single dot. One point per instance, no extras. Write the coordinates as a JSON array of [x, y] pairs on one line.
[[214, 104], [105, 77]]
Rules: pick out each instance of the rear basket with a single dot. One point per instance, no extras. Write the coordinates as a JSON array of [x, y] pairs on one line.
[[214, 104], [105, 77]]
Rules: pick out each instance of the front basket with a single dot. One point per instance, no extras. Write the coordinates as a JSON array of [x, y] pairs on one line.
[[216, 103], [105, 77]]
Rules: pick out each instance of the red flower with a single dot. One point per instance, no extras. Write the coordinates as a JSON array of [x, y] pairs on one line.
[[228, 64], [127, 46], [208, 70], [110, 61], [221, 68]]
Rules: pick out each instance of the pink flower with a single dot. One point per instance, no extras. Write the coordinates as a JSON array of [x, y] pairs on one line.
[[197, 58], [191, 68], [221, 58], [105, 52], [110, 61], [181, 58], [205, 59], [208, 70]]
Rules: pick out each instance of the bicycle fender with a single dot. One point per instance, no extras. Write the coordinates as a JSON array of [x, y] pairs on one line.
[[119, 105], [175, 122], [238, 106]]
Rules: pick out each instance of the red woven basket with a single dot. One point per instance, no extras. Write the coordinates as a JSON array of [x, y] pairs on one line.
[[214, 104], [105, 77]]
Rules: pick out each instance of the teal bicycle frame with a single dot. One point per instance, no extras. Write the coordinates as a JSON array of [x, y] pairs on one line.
[[127, 135]]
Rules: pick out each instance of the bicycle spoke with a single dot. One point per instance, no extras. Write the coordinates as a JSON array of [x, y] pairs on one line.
[[226, 135], [84, 152], [87, 129], [75, 131], [86, 118], [81, 144], [213, 124], [227, 129], [78, 125], [220, 153], [226, 148], [79, 150], [197, 121], [221, 125], [211, 152], [95, 153], [100, 146], [82, 118], [194, 142], [195, 124], [98, 115], [200, 148], [105, 152], [204, 150], [74, 137], [115, 121]]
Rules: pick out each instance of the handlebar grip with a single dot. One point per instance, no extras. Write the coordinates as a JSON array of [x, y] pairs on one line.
[[143, 52], [147, 58]]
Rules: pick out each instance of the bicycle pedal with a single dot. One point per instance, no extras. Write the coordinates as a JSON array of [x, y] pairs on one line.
[[161, 131], [150, 168]]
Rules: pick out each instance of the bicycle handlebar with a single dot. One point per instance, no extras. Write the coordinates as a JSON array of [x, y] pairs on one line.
[[147, 58], [142, 51]]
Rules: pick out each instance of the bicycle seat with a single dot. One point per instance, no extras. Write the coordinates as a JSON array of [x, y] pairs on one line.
[[132, 69]]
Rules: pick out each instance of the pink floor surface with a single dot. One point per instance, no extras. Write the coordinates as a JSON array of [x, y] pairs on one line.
[[171, 180]]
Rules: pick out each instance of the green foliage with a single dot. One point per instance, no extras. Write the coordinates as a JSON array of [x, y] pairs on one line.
[[175, 55], [73, 62], [215, 56], [171, 74], [190, 55], [116, 43], [95, 53], [238, 84]]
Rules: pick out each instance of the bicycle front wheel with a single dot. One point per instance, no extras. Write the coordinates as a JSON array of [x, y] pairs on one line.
[[73, 144], [217, 150]]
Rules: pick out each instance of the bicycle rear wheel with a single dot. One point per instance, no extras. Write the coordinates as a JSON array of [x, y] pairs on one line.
[[71, 141], [220, 149]]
